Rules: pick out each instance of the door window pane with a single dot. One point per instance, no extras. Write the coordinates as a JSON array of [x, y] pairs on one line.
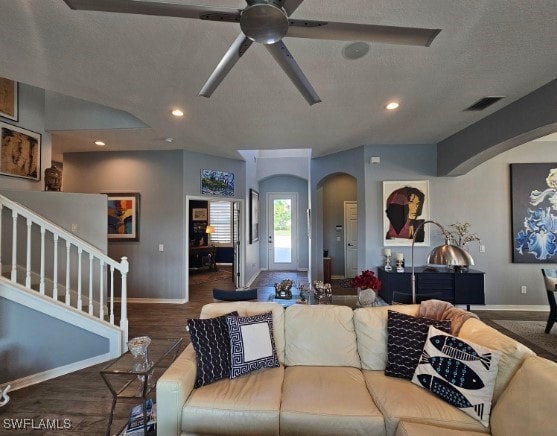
[[282, 232]]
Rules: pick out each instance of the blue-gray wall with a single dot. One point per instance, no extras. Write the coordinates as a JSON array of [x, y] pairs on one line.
[[32, 342]]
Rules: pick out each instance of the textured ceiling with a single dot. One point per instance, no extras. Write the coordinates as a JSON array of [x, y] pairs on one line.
[[146, 65]]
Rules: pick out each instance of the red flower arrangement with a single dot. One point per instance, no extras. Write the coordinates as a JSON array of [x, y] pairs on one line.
[[366, 279]]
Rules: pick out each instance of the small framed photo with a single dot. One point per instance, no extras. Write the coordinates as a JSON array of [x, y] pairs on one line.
[[20, 154], [9, 99], [123, 216], [199, 214]]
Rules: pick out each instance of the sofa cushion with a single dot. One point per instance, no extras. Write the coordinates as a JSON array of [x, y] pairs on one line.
[[247, 308], [407, 428], [211, 342], [399, 399], [460, 372], [513, 355], [406, 337], [327, 401], [252, 346], [320, 335], [527, 406], [370, 324], [248, 405]]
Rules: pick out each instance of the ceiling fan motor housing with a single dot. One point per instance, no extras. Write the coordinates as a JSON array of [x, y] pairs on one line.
[[264, 21]]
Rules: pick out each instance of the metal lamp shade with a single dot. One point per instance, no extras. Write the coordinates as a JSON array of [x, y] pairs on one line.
[[449, 255]]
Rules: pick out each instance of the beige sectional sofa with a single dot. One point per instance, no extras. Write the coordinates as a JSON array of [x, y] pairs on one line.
[[331, 382]]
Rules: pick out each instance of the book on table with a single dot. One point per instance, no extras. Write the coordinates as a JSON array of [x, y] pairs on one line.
[[135, 423]]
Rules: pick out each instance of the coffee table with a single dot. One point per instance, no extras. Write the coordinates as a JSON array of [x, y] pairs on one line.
[[350, 300], [130, 378]]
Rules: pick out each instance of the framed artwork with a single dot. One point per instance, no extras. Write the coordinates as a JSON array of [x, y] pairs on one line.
[[253, 216], [20, 154], [405, 207], [9, 106], [534, 212], [199, 214], [217, 183], [123, 216]]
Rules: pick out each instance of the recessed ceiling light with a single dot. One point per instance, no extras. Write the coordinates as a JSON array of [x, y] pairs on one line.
[[177, 113], [100, 143], [169, 140], [392, 105], [355, 50]]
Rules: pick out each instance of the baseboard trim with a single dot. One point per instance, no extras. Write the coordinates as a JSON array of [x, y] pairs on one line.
[[57, 372], [516, 307], [154, 300]]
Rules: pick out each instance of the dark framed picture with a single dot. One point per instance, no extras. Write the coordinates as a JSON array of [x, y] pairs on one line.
[[20, 154], [405, 206], [9, 106], [534, 212], [217, 183], [253, 216], [123, 216], [199, 214]]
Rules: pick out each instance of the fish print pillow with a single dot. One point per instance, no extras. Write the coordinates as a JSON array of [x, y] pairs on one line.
[[459, 372]]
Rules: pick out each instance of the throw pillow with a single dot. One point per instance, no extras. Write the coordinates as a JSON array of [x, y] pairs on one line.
[[406, 337], [211, 343], [460, 372], [252, 345]]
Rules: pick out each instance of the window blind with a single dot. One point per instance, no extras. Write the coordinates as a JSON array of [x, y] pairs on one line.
[[220, 217]]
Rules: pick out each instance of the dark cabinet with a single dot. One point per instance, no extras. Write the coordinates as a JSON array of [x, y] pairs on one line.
[[454, 287]]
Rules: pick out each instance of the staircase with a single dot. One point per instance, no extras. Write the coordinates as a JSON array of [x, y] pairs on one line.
[[50, 270]]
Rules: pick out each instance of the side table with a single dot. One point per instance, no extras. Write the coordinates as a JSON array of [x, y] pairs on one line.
[[129, 378]]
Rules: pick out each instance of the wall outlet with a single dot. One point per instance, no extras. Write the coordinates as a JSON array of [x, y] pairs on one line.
[[161, 247], [523, 289], [482, 248]]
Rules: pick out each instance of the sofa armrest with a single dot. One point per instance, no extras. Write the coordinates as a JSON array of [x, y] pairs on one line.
[[173, 389]]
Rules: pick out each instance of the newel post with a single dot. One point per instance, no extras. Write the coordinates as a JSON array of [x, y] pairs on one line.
[[124, 268]]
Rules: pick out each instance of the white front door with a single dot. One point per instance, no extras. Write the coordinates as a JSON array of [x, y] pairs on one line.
[[282, 212], [350, 239]]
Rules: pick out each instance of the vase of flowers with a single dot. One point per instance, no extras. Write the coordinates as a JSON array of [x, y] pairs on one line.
[[322, 292], [367, 285]]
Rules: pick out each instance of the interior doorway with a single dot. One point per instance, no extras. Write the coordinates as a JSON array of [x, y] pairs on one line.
[[350, 239]]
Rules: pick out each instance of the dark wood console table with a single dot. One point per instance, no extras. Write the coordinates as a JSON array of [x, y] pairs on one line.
[[200, 255], [454, 287]]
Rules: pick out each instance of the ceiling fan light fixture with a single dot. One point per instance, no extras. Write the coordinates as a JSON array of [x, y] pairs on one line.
[[391, 106], [264, 22]]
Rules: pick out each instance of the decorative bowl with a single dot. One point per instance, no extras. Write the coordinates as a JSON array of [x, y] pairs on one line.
[[138, 346]]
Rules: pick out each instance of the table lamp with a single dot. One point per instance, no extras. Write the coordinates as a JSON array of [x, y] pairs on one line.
[[446, 254]]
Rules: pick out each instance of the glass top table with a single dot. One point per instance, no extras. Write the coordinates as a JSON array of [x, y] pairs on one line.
[[129, 377], [350, 300]]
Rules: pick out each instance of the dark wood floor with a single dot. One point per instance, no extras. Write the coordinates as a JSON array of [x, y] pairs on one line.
[[82, 396]]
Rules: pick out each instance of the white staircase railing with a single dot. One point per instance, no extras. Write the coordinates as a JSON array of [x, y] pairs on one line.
[[56, 257]]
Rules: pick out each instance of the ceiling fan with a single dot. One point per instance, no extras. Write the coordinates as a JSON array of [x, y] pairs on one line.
[[266, 22]]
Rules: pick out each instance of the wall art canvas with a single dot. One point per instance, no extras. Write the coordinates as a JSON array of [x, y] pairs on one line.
[[20, 154], [8, 99], [123, 216], [253, 216], [534, 212], [405, 207], [217, 183]]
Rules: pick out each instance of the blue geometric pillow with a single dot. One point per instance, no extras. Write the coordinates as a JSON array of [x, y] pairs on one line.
[[252, 345], [406, 337], [211, 343], [459, 372]]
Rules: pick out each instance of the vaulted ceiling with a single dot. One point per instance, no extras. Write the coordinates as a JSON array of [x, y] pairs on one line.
[[148, 65]]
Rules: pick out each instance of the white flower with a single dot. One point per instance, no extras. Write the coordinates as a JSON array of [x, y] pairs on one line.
[[552, 179]]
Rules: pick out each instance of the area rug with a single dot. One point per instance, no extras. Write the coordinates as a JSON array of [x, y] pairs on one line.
[[341, 283], [199, 277], [532, 331]]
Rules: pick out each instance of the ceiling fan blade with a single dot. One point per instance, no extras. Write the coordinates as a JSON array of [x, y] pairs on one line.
[[291, 5], [283, 57], [361, 32], [234, 53], [153, 8]]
